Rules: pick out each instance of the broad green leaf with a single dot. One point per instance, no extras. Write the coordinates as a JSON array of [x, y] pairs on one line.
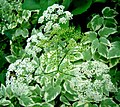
[[22, 32], [117, 97], [3, 90], [91, 35], [96, 22], [102, 50], [47, 105], [11, 58], [68, 88], [110, 23], [52, 93], [105, 31], [71, 97], [104, 41], [83, 6], [107, 12], [94, 45], [113, 62], [4, 102], [64, 100], [31, 4], [2, 77], [50, 68], [36, 99], [114, 51], [87, 55], [108, 103], [41, 105], [25, 100], [78, 104], [66, 3]]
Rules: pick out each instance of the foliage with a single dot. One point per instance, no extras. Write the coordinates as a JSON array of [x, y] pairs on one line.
[[55, 68], [53, 63], [100, 38], [78, 6]]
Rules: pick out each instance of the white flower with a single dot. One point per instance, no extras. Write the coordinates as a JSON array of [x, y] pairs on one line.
[[63, 20], [48, 26], [61, 7], [68, 15], [59, 12], [50, 9], [54, 17], [41, 19], [56, 26], [54, 6]]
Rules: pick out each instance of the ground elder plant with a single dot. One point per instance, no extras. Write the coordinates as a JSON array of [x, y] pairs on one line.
[[52, 71]]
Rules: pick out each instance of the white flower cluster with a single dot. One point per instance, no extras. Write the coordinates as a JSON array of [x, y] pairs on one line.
[[32, 47], [92, 81], [21, 68], [54, 16]]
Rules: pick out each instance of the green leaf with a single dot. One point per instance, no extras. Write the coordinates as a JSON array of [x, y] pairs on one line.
[[11, 58], [46, 105], [68, 88], [104, 41], [108, 103], [113, 62], [23, 32], [87, 55], [50, 68], [31, 4], [4, 102], [107, 12], [105, 31], [3, 90], [64, 100], [110, 23], [114, 51], [117, 97], [66, 3], [71, 97], [96, 22], [41, 105], [25, 100], [94, 45], [52, 93], [83, 6], [91, 35], [102, 50]]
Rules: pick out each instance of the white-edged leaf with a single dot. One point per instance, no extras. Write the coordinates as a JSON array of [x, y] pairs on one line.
[[105, 31], [114, 51], [25, 100], [96, 22], [11, 58], [113, 62], [91, 35], [52, 93], [64, 100], [108, 103], [108, 12], [94, 45], [50, 68], [102, 50], [87, 54], [104, 41], [68, 88], [4, 102]]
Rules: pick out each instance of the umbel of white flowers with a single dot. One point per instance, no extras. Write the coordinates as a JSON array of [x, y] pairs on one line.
[[51, 19], [54, 16]]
